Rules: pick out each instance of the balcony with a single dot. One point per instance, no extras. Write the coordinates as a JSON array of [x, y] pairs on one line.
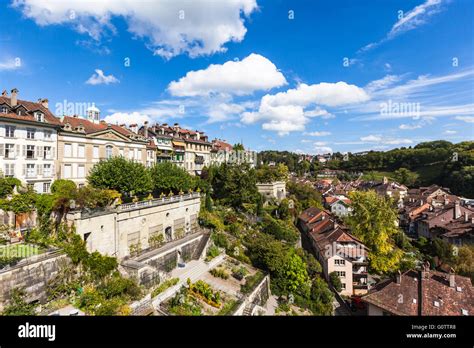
[[359, 285], [359, 269]]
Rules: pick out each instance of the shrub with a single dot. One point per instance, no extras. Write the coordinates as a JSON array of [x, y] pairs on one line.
[[219, 273], [212, 252]]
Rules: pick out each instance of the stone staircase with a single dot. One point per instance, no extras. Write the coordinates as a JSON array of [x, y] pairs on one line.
[[201, 246]]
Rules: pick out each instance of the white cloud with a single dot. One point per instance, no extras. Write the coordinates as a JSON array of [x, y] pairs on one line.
[[328, 94], [382, 83], [285, 112], [320, 143], [416, 17], [450, 132], [320, 150], [224, 112], [410, 20], [409, 126], [317, 134], [127, 118], [371, 138], [384, 140], [169, 28], [468, 119], [10, 64], [99, 78], [253, 73]]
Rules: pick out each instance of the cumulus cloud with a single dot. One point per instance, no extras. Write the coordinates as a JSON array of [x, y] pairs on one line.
[[169, 28], [253, 73], [224, 112], [127, 118], [285, 112], [99, 78]]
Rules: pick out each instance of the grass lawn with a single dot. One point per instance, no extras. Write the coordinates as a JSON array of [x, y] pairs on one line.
[[19, 250]]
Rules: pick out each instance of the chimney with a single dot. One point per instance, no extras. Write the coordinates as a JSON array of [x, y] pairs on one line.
[[421, 203], [466, 216], [399, 277], [44, 102], [4, 93], [145, 129], [457, 210], [13, 98], [452, 278]]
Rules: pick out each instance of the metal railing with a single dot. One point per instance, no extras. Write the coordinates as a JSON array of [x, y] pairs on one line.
[[159, 201]]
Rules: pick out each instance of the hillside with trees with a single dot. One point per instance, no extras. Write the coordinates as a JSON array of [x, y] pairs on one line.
[[435, 162]]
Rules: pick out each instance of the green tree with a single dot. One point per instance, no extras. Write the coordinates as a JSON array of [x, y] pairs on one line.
[[238, 147], [122, 175], [293, 273], [233, 184], [18, 306], [168, 177], [335, 281], [373, 221], [7, 185], [405, 176]]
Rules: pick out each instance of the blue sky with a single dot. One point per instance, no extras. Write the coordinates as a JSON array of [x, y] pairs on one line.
[[309, 76]]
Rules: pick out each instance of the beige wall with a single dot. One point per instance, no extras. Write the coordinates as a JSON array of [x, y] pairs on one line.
[[111, 233], [88, 160], [331, 267]]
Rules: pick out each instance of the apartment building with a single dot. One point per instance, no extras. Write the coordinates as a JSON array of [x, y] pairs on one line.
[[83, 142], [336, 249], [28, 137], [223, 152], [190, 149]]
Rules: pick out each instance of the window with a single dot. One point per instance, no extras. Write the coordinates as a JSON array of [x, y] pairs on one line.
[[67, 150], [47, 171], [39, 117], [4, 109], [96, 152], [341, 274], [30, 151], [47, 152], [339, 262], [81, 153], [67, 171], [30, 133], [108, 151], [30, 171], [47, 134], [46, 187], [9, 169], [81, 171], [9, 131], [121, 151], [343, 286], [9, 151]]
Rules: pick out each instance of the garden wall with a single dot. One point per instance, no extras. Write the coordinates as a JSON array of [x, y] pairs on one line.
[[32, 275]]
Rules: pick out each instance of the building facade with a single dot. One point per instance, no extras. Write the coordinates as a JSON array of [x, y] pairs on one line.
[[119, 231], [83, 142], [28, 141]]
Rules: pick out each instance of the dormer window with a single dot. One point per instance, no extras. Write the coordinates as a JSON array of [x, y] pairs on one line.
[[4, 110], [67, 126], [39, 116]]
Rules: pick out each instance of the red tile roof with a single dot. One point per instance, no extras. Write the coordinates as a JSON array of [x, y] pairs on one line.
[[30, 106], [432, 286]]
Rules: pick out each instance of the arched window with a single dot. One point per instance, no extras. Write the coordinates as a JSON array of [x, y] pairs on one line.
[[108, 151]]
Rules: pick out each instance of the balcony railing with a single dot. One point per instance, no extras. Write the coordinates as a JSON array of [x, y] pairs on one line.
[[158, 201]]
